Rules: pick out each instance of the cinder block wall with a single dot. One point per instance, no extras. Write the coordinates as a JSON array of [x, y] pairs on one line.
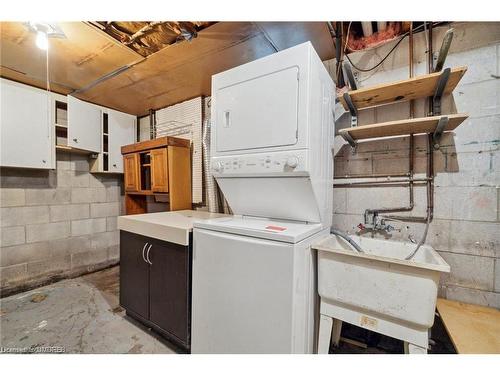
[[57, 224], [466, 228]]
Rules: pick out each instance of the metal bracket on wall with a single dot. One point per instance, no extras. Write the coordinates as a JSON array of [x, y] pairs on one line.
[[352, 109], [438, 93], [350, 76], [349, 140], [438, 132]]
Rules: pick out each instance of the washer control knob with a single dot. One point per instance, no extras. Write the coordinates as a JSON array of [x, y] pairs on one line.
[[292, 162], [218, 167]]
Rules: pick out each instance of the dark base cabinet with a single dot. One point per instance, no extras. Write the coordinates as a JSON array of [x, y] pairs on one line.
[[155, 285]]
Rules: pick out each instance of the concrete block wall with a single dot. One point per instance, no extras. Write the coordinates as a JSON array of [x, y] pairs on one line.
[[58, 223], [466, 225]]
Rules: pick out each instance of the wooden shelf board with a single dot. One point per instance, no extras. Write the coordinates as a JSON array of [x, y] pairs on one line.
[[409, 89], [61, 126], [71, 149], [403, 127], [473, 329]]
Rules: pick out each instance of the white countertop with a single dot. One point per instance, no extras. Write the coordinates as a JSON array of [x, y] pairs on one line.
[[171, 226]]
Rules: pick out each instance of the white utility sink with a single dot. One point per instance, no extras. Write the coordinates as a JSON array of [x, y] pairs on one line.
[[379, 290]]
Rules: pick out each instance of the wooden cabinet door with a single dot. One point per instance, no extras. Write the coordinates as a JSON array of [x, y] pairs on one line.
[[131, 171], [84, 125], [170, 289], [134, 273], [121, 132], [27, 138], [159, 170]]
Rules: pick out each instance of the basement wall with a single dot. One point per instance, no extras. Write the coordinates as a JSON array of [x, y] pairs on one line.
[[466, 227], [57, 224]]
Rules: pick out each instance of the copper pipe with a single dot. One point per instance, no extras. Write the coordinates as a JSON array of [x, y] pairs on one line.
[[430, 153], [373, 183], [381, 175]]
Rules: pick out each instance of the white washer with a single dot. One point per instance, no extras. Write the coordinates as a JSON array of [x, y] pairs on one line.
[[271, 138], [254, 286]]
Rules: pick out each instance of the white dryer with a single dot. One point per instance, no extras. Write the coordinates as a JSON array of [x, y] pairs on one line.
[[253, 275]]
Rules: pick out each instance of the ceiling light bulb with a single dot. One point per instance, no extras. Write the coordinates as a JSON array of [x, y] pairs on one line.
[[42, 41]]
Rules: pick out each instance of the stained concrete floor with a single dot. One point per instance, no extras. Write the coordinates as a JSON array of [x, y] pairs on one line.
[[79, 315]]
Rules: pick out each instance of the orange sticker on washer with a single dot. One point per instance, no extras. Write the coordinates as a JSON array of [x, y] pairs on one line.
[[275, 228]]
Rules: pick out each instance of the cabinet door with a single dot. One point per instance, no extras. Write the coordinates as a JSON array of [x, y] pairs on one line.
[[27, 138], [84, 125], [121, 129], [170, 285], [159, 170], [134, 273], [131, 171]]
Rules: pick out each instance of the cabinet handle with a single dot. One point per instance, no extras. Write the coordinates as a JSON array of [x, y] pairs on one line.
[[144, 248], [75, 140], [147, 254], [114, 165]]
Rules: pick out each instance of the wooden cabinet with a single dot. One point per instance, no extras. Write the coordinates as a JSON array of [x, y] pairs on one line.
[[160, 166], [121, 132], [134, 274], [170, 282], [28, 136], [84, 125], [118, 129], [131, 168], [155, 285], [159, 170]]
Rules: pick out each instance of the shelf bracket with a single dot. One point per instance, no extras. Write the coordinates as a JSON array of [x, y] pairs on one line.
[[347, 137], [350, 76], [352, 109], [438, 132], [438, 93]]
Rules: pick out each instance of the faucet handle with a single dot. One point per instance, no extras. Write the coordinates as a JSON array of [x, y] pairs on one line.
[[361, 226]]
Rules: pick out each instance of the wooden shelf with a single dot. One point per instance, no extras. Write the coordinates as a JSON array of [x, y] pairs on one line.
[[403, 127], [473, 329], [61, 126], [409, 89], [71, 149]]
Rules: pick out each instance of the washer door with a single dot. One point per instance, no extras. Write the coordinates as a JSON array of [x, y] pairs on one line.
[[242, 294]]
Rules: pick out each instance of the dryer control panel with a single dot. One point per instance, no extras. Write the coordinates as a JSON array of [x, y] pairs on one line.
[[279, 163]]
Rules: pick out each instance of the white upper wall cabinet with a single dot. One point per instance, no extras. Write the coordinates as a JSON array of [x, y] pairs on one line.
[[84, 125], [122, 131], [27, 136]]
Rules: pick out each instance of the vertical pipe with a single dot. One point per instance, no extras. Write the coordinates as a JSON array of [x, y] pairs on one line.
[[338, 54], [412, 114]]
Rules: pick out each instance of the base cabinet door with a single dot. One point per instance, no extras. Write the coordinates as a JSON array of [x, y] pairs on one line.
[[134, 273], [170, 279]]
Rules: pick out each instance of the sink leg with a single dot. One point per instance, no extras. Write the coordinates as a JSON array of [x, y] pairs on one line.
[[337, 327], [325, 331], [414, 349]]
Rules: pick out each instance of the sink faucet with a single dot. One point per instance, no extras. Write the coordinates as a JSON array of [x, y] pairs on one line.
[[372, 221]]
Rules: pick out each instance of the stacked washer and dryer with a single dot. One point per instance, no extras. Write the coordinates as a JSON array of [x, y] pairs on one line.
[[254, 274]]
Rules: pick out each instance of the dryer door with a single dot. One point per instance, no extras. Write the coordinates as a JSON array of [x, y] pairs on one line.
[[259, 113]]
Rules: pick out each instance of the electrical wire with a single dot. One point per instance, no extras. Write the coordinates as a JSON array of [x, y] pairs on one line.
[[384, 58]]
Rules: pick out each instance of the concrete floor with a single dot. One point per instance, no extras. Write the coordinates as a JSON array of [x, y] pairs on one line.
[[80, 315]]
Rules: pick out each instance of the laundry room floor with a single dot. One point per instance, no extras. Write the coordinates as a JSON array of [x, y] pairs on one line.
[[80, 315]]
